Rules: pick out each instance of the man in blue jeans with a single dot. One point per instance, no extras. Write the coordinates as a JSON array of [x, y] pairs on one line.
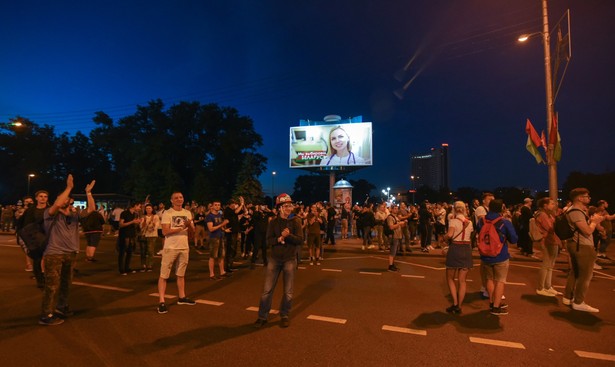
[[284, 234]]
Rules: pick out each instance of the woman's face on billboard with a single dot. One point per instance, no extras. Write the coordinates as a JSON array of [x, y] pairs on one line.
[[339, 141]]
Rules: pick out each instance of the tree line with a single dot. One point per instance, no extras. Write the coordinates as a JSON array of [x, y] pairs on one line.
[[206, 151]]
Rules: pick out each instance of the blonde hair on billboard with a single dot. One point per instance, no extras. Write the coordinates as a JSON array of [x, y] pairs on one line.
[[348, 145]]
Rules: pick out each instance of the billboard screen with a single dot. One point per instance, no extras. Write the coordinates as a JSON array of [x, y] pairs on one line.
[[331, 145]]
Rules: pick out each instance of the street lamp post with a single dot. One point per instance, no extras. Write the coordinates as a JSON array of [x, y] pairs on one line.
[[550, 99], [413, 189], [272, 189], [29, 178]]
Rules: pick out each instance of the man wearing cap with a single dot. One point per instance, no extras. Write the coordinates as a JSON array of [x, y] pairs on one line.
[[525, 242], [284, 234]]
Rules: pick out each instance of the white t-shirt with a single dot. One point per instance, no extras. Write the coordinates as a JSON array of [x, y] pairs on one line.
[[176, 218], [461, 234]]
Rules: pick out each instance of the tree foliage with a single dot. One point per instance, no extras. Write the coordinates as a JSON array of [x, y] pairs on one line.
[[206, 151]]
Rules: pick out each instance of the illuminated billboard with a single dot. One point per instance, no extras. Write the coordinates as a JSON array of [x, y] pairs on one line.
[[331, 145]]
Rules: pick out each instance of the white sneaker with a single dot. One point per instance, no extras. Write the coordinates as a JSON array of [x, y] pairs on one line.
[[597, 267], [584, 307], [566, 301], [554, 292], [544, 292]]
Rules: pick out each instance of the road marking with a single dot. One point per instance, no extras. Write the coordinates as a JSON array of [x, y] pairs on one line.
[[10, 246], [255, 309], [125, 290], [333, 270], [327, 319], [512, 283], [499, 343], [604, 357], [348, 258], [404, 330], [413, 276], [169, 296], [211, 303], [369, 273], [301, 267]]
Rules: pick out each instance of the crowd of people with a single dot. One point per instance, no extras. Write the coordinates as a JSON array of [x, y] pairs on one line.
[[278, 235]]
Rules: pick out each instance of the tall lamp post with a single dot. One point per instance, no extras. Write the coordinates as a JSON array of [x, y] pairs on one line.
[[29, 178], [272, 189], [550, 98], [413, 189]]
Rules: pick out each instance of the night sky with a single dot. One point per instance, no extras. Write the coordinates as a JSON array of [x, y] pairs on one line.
[[469, 83]]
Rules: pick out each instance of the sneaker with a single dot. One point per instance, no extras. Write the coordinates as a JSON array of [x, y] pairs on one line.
[[566, 301], [454, 309], [185, 301], [484, 294], [259, 323], [499, 311], [597, 267], [430, 247], [63, 312], [424, 249], [162, 308], [29, 268], [544, 292], [284, 322], [554, 292], [50, 320], [393, 268], [311, 261], [584, 307], [371, 247]]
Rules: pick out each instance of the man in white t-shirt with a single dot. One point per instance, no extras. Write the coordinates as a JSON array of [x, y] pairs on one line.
[[176, 222]]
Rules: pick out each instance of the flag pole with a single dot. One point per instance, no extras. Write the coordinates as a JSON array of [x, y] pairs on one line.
[[551, 163]]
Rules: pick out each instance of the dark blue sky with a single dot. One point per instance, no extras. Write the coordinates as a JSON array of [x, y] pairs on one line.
[[282, 61]]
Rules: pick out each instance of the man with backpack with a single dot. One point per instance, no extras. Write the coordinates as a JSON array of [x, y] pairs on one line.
[[495, 233], [581, 250]]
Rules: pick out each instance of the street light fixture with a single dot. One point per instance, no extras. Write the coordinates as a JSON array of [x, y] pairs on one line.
[[29, 178]]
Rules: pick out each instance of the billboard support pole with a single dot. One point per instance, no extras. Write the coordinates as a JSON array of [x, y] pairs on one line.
[[331, 184]]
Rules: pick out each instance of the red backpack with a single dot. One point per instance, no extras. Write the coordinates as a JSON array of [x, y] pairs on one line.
[[489, 243]]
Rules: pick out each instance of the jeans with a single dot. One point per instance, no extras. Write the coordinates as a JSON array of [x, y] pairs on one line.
[[274, 268], [549, 254], [125, 248], [58, 278]]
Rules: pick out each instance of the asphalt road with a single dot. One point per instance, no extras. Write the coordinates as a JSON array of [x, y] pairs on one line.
[[347, 312]]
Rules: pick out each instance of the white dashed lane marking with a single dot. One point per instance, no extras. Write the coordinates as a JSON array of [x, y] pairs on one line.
[[166, 296], [333, 270], [603, 357], [327, 319], [413, 276], [369, 273], [498, 343], [404, 330], [106, 287], [211, 303]]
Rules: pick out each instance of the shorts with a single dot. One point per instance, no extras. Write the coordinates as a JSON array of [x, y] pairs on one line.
[[93, 239], [496, 272], [177, 257], [216, 247]]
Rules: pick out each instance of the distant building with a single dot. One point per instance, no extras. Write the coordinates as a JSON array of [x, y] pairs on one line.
[[432, 169]]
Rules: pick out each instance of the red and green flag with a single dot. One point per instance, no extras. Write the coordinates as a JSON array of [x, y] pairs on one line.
[[555, 139], [533, 142]]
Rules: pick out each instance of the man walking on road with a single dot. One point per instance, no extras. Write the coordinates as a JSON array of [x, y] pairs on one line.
[[284, 234], [176, 222]]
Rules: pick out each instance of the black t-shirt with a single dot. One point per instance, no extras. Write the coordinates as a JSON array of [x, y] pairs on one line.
[[199, 219], [130, 230], [233, 219]]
